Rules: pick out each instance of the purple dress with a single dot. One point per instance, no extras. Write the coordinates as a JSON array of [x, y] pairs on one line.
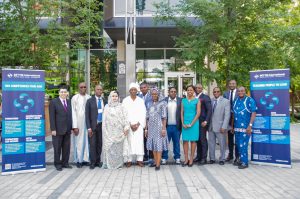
[[155, 113]]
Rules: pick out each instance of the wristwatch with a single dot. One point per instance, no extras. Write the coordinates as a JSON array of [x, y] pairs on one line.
[[250, 124]]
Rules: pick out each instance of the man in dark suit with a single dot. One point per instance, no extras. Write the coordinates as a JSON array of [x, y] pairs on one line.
[[61, 125], [146, 96], [173, 125], [204, 119], [93, 117], [231, 95]]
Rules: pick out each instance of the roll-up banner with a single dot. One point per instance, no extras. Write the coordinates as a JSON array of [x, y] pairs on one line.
[[271, 129], [23, 121]]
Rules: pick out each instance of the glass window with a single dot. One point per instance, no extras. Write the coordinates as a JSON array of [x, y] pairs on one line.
[[143, 7]]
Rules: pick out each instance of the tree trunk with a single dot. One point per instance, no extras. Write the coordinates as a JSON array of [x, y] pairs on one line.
[[293, 102]]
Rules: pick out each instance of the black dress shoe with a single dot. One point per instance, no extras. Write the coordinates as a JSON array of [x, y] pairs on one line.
[[79, 165], [196, 159], [92, 166], [221, 163], [67, 166], [243, 166], [211, 162], [236, 162], [58, 168], [202, 162], [228, 159]]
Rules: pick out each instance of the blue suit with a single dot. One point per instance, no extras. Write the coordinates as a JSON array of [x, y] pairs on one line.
[[147, 98]]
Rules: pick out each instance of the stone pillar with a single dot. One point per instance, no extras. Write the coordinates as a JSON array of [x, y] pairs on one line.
[[212, 84], [121, 70], [130, 65]]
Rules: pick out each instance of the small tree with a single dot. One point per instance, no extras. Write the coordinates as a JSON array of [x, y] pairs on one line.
[[239, 35], [41, 33]]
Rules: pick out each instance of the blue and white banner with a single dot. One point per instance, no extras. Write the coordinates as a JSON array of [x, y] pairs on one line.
[[271, 129], [23, 121]]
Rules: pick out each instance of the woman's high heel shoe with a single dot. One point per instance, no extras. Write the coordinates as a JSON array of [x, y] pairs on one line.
[[184, 164]]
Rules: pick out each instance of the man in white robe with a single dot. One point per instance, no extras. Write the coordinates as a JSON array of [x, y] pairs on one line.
[[134, 144], [80, 136]]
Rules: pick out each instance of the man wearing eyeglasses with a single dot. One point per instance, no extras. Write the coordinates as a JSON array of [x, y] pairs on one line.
[[218, 125], [80, 135], [60, 112], [173, 125]]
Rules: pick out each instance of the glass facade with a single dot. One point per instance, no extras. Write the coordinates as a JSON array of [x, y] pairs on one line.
[[144, 7], [151, 65]]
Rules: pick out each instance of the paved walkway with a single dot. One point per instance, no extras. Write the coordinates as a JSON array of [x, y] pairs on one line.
[[209, 181]]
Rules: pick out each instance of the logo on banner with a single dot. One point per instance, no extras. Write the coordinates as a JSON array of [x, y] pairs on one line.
[[9, 75], [24, 103], [269, 100]]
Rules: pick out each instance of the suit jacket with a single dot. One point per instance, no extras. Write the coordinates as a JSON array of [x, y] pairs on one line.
[[205, 108], [227, 96], [147, 100], [60, 120], [178, 112], [221, 115], [91, 112]]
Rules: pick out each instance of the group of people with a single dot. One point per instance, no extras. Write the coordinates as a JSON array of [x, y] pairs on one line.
[[141, 127]]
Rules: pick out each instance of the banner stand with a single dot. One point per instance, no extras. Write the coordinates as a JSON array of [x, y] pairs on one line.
[[23, 121], [270, 140]]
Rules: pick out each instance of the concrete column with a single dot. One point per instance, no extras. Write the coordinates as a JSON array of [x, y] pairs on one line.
[[121, 78], [130, 65], [213, 84]]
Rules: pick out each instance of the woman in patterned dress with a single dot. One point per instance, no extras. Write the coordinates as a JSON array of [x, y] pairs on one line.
[[114, 129], [156, 127], [190, 112]]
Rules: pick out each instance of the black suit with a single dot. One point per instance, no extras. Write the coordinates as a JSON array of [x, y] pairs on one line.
[[91, 116], [61, 122], [231, 143], [202, 146]]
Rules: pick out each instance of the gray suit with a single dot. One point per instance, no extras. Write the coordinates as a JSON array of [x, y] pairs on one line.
[[219, 119]]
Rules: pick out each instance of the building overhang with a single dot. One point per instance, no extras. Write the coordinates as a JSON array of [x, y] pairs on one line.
[[149, 33]]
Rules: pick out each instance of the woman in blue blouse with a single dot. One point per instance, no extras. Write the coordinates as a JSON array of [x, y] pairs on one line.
[[190, 112]]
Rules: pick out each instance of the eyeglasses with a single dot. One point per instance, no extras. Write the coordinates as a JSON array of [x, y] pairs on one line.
[[216, 91], [82, 86]]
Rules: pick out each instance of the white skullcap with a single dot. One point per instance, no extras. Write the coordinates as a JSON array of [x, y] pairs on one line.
[[133, 85]]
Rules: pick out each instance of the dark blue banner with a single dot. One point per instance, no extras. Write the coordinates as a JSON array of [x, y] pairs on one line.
[[23, 122], [271, 129]]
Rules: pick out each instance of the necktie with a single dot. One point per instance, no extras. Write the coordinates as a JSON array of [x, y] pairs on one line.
[[99, 119], [65, 105], [215, 104], [231, 97]]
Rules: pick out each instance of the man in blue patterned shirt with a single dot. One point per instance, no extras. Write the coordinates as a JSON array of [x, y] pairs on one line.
[[244, 109]]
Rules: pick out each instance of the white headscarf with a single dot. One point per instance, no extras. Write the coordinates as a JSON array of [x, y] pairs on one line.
[[110, 102], [134, 85]]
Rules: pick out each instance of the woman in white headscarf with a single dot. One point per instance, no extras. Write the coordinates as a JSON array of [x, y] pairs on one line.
[[115, 128]]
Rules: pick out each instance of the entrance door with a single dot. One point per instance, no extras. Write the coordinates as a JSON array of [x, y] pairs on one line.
[[179, 80]]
